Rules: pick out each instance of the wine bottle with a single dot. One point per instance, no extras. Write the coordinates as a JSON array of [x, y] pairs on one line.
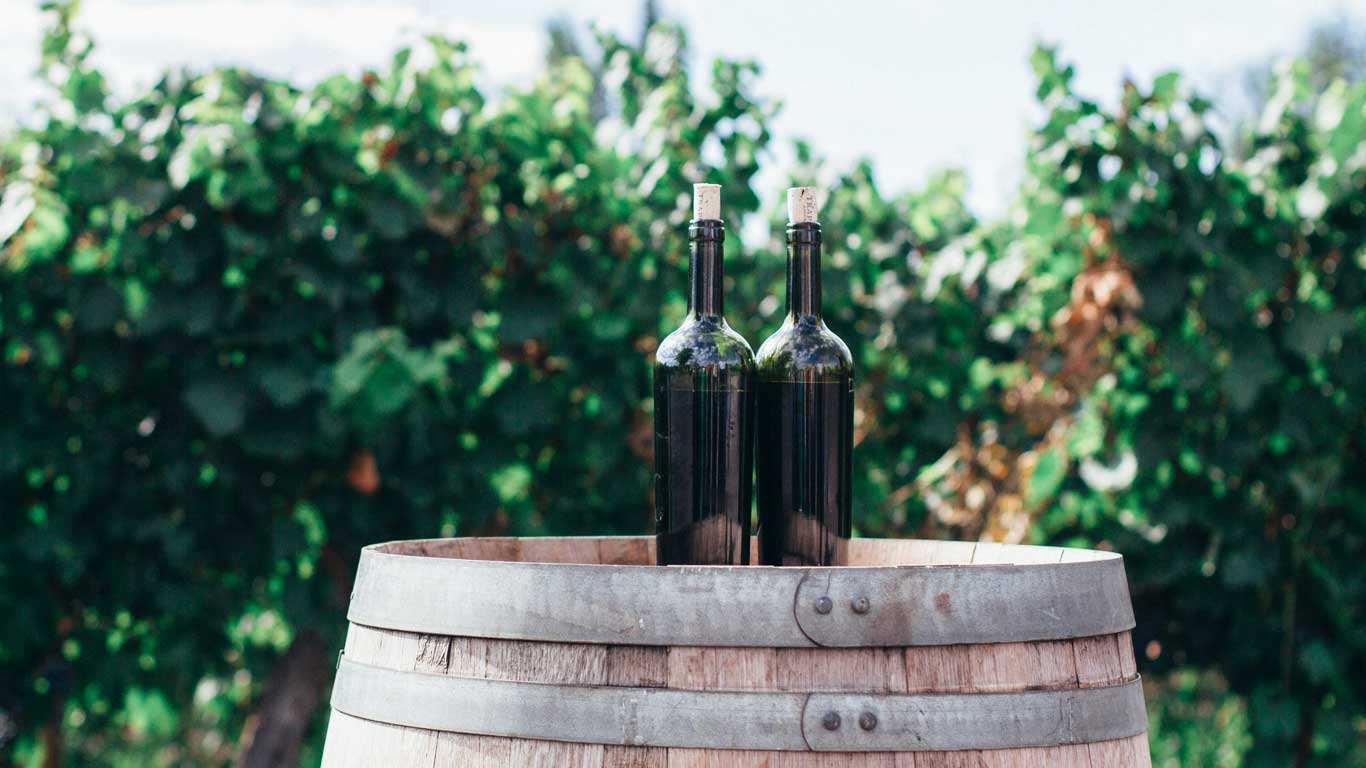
[[805, 435], [704, 414]]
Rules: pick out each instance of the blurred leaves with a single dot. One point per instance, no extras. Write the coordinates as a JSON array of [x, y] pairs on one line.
[[247, 328], [235, 312]]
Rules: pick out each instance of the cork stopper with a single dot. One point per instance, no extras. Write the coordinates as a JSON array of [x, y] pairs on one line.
[[706, 201], [801, 205]]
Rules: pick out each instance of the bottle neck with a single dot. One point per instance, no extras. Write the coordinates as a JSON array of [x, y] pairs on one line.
[[804, 270], [705, 274]]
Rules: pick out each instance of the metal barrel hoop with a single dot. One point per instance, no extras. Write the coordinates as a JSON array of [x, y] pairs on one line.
[[742, 606], [661, 717]]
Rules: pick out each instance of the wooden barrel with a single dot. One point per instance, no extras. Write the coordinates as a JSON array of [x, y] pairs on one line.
[[574, 652]]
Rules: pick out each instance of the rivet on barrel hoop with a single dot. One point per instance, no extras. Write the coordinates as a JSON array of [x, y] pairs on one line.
[[861, 605], [831, 721], [867, 721], [823, 606]]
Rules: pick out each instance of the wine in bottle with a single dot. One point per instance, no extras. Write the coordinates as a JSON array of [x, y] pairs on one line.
[[704, 415], [805, 435]]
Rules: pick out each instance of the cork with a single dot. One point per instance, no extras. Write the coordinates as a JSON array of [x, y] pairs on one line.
[[706, 201], [801, 205]]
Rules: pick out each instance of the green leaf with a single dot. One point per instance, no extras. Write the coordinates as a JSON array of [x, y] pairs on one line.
[[1049, 472], [219, 402], [1087, 435], [1165, 87], [1252, 368], [511, 483], [1311, 332], [16, 204], [285, 384], [1244, 567]]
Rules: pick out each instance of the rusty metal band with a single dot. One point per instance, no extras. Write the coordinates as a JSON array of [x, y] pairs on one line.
[[742, 606], [659, 717]]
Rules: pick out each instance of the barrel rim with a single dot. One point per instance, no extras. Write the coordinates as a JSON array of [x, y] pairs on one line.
[[903, 605], [1080, 555]]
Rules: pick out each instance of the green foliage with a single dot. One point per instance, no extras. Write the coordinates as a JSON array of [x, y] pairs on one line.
[[247, 328], [1194, 721], [1237, 386]]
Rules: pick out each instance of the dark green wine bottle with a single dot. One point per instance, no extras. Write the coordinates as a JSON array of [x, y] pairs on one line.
[[704, 415], [805, 436]]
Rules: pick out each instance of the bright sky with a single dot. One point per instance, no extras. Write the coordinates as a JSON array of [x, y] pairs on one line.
[[915, 85]]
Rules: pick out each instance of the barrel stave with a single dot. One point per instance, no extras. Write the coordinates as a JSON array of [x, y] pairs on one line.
[[1084, 662], [988, 668]]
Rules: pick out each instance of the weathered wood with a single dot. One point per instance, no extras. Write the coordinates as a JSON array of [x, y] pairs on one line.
[[721, 669], [783, 669], [1104, 660], [643, 666], [646, 666], [394, 650], [1056, 664], [710, 758], [898, 552], [635, 757], [868, 670], [639, 550]]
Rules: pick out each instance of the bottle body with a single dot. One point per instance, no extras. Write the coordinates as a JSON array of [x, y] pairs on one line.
[[805, 425], [704, 426], [704, 467]]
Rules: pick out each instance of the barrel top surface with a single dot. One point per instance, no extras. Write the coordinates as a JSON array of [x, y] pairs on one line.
[[604, 590], [628, 551]]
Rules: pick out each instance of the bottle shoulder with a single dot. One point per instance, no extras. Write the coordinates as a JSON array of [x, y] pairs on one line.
[[805, 347], [704, 343]]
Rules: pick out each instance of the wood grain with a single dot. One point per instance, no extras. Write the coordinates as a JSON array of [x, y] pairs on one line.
[[875, 670], [1104, 660], [721, 669]]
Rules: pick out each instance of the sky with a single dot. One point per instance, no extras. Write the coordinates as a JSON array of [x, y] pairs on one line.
[[916, 85]]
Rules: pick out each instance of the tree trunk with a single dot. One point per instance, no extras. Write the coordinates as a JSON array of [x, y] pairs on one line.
[[61, 678], [1304, 736], [274, 732], [52, 743]]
